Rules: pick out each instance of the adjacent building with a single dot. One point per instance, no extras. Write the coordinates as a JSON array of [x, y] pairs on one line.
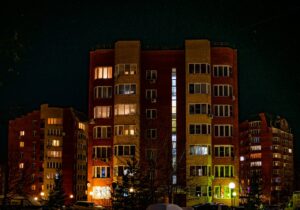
[[175, 111], [266, 152], [44, 143]]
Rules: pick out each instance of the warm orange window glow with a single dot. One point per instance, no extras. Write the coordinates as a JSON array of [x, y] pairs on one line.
[[54, 121], [22, 144]]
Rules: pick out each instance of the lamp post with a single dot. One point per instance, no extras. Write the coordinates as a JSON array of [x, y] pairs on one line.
[[231, 187]]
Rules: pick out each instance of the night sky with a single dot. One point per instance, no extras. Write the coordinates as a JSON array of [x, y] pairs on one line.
[[44, 48]]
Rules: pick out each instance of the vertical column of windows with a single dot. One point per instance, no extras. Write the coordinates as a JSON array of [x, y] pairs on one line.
[[174, 124]]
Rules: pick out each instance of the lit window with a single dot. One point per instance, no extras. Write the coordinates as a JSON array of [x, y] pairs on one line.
[[33, 187], [242, 158], [54, 121], [255, 155], [55, 154], [21, 165], [55, 143], [125, 109], [81, 126], [102, 112], [125, 130], [125, 69], [22, 133], [103, 72], [255, 148], [22, 144], [199, 150], [255, 163], [101, 192]]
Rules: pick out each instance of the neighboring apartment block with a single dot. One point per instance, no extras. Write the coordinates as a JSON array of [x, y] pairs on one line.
[[46, 142], [176, 108], [266, 152]]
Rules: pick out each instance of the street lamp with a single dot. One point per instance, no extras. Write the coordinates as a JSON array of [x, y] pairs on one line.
[[231, 187]]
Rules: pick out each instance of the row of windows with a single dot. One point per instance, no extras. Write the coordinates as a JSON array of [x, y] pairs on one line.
[[104, 132], [105, 72], [54, 121], [199, 129], [199, 68], [125, 89], [101, 152], [199, 88], [54, 164], [224, 171], [55, 132], [222, 71], [200, 170], [219, 150], [220, 171], [125, 69], [55, 154], [199, 108], [224, 151], [124, 150], [101, 171], [121, 89]]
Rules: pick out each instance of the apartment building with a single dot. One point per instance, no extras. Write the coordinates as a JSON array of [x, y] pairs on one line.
[[266, 152], [175, 108], [44, 143]]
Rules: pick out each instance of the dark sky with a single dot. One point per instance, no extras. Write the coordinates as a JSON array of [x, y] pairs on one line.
[[44, 48]]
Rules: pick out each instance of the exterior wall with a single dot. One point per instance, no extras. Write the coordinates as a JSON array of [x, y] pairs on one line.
[[25, 131], [164, 62], [52, 132], [50, 146], [275, 170], [225, 56], [197, 52], [99, 58]]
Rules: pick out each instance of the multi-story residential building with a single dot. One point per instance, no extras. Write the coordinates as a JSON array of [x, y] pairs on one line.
[[176, 108], [44, 143], [266, 152]]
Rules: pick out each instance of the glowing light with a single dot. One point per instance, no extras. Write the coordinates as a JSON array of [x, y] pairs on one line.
[[71, 196], [231, 185], [42, 194], [35, 198], [131, 189]]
